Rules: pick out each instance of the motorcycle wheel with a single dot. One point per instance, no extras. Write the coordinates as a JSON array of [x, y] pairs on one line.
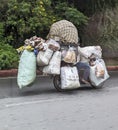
[[99, 86], [57, 83]]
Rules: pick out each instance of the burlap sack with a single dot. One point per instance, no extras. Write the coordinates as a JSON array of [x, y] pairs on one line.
[[64, 31]]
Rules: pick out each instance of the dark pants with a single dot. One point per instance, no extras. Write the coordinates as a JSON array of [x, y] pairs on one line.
[[86, 67]]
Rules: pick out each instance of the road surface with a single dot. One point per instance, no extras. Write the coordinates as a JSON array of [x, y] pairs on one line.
[[43, 108]]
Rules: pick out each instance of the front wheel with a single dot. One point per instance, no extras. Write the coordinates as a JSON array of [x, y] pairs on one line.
[[57, 83], [99, 86]]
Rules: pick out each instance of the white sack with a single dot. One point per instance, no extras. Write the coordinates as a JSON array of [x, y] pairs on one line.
[[27, 69], [88, 50], [70, 56], [52, 44], [69, 78], [54, 64], [96, 81], [100, 71], [44, 57]]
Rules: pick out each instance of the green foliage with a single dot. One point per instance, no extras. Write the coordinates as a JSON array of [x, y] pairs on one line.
[[23, 19], [90, 7], [27, 18], [110, 24], [70, 13], [109, 29], [3, 9], [76, 17], [8, 57], [102, 29], [1, 31]]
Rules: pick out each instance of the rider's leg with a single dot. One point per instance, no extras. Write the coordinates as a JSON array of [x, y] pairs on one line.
[[86, 72], [85, 66]]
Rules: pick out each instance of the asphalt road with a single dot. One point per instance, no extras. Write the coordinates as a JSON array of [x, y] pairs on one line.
[[41, 107]]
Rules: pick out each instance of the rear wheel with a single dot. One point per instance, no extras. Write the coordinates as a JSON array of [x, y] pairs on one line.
[[57, 83]]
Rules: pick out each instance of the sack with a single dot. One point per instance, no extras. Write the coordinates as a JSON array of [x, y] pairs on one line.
[[53, 45], [88, 50], [96, 81], [99, 72], [64, 31], [54, 64], [70, 56], [69, 78], [44, 57], [26, 69]]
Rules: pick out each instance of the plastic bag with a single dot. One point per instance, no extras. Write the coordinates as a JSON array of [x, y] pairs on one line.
[[70, 56], [100, 71], [53, 45], [44, 57], [69, 77], [96, 81], [54, 64], [88, 50], [27, 69]]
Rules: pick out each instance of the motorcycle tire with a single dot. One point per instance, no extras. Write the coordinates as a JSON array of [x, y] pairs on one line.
[[57, 83], [99, 86]]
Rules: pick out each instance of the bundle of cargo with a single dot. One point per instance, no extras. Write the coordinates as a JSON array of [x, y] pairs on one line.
[[26, 69], [64, 31], [69, 78], [88, 51], [69, 56], [93, 56], [27, 64], [54, 64], [98, 73], [62, 45], [53, 45], [33, 44], [37, 52], [43, 57]]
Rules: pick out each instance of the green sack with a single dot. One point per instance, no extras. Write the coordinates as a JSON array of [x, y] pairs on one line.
[[27, 69]]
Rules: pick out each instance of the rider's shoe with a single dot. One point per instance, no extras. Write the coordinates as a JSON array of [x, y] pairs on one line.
[[85, 81]]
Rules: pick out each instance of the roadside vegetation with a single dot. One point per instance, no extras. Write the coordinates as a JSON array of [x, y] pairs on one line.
[[21, 19]]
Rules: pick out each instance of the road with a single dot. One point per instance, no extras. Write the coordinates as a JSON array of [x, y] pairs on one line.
[[46, 109]]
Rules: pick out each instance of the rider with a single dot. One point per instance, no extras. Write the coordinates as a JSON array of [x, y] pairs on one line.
[[83, 64]]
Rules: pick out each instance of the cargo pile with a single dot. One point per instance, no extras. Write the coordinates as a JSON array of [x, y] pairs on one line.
[[37, 52], [48, 56], [58, 56]]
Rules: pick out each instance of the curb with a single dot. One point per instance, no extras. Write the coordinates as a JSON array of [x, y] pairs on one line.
[[112, 68], [13, 72]]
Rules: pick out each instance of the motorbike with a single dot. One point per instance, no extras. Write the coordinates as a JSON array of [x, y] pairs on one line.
[[57, 83], [57, 78]]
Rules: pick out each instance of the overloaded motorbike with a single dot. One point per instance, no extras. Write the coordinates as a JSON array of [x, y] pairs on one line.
[[57, 78], [56, 66], [57, 84], [57, 55]]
